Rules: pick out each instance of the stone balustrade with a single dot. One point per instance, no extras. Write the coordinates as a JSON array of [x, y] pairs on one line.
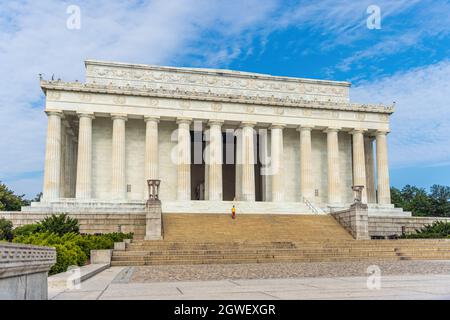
[[24, 271]]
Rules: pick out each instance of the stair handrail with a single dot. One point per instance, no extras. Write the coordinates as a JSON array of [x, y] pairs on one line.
[[312, 207]]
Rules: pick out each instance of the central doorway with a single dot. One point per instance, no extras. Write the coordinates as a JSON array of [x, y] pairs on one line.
[[228, 169]]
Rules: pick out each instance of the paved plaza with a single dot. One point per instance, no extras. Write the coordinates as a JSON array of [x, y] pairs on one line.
[[399, 280]]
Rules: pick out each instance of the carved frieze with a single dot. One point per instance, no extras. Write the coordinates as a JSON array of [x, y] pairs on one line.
[[234, 83], [119, 100], [54, 95], [216, 106], [185, 104]]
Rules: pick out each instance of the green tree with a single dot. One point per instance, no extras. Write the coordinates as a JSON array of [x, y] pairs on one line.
[[420, 203], [416, 200], [440, 200], [396, 197], [6, 229], [10, 201]]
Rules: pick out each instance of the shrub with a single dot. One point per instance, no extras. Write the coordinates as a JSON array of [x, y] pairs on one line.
[[59, 224], [437, 230], [26, 230], [72, 248], [6, 227]]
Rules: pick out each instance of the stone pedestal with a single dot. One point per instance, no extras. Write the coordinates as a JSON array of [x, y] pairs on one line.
[[355, 220], [153, 221]]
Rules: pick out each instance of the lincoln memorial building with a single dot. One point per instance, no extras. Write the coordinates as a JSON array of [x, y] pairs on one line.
[[215, 138]]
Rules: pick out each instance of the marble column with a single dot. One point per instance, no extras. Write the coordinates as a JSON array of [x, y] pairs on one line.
[[52, 171], [74, 166], [238, 165], [334, 174], [68, 161], [184, 160], [359, 163], [248, 162], [151, 165], [84, 162], [62, 178], [370, 169], [118, 166], [69, 164], [277, 167], [384, 193], [306, 174], [215, 192]]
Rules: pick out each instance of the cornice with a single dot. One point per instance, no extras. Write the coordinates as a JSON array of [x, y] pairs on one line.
[[211, 96]]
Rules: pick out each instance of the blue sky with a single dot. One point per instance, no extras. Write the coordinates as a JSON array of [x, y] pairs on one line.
[[406, 61]]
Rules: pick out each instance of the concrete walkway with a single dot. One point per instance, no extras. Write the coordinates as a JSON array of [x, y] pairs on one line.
[[114, 283]]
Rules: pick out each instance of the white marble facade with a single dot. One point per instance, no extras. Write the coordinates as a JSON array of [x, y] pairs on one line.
[[128, 123]]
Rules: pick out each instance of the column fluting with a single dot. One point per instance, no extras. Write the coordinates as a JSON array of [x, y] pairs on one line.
[[306, 174], [52, 171], [215, 192], [238, 165], [359, 164], [248, 162], [184, 160], [151, 151], [84, 161], [334, 174], [277, 166], [370, 169], [118, 165], [384, 193]]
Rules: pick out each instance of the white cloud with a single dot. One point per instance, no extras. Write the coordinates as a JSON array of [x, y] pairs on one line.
[[34, 39], [421, 124]]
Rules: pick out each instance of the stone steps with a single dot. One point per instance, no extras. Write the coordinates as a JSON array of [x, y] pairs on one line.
[[218, 239]]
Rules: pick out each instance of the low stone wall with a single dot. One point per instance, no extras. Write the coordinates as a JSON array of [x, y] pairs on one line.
[[24, 271], [394, 226], [90, 222]]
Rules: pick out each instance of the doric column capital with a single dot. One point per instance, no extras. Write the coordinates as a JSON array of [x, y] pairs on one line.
[[382, 132], [215, 122], [151, 118], [184, 120], [358, 130], [277, 126], [119, 116], [305, 127], [332, 129], [250, 124], [58, 113], [86, 115]]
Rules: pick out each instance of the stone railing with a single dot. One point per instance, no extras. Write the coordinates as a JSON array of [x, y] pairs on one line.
[[391, 227], [355, 220], [24, 270]]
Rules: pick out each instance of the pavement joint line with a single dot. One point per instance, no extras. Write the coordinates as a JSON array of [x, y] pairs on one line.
[[270, 295], [102, 292], [233, 282]]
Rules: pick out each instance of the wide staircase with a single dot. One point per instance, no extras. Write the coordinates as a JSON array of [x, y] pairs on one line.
[[216, 238]]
